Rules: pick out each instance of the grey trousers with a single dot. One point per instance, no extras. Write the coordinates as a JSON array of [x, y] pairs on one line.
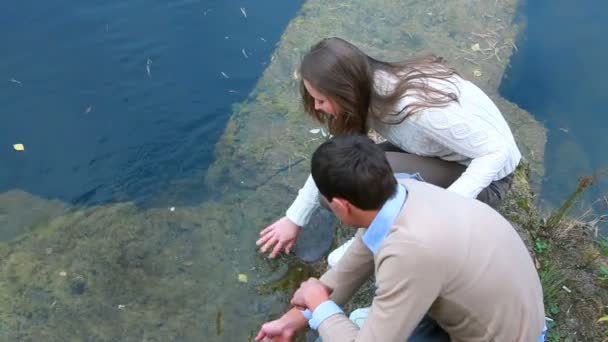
[[442, 173]]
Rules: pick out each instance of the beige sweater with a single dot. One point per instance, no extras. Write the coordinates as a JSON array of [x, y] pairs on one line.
[[447, 255]]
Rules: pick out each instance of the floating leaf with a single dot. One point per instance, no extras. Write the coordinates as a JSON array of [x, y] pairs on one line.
[[18, 147], [242, 277], [477, 73], [315, 131], [475, 47]]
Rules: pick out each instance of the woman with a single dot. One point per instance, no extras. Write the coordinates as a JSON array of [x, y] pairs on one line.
[[436, 124]]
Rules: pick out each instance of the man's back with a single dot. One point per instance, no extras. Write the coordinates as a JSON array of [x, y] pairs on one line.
[[488, 287]]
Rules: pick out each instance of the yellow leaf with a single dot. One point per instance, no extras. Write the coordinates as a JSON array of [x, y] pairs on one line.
[[18, 147], [475, 47], [603, 319], [477, 73], [242, 278]]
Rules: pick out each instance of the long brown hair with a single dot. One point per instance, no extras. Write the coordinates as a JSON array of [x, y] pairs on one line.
[[345, 74]]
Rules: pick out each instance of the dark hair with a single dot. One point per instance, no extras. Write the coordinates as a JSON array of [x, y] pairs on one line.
[[345, 74], [354, 168]]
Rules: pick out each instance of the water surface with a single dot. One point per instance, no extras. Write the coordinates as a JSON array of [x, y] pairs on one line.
[[115, 99], [559, 75]]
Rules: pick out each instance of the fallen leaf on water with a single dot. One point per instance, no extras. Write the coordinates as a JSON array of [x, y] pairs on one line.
[[18, 147], [475, 47], [242, 277], [477, 73]]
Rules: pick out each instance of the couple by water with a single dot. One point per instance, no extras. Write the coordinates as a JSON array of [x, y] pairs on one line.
[[447, 266]]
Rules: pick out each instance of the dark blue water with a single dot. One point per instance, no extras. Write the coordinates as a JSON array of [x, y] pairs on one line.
[[559, 74], [114, 100]]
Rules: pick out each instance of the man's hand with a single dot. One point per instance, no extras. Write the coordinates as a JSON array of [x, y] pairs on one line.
[[282, 329], [275, 331], [310, 294], [282, 235]]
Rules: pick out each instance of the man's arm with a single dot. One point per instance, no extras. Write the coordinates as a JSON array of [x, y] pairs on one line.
[[283, 328], [344, 279], [408, 282], [356, 266]]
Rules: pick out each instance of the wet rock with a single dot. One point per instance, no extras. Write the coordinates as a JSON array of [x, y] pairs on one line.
[[77, 286], [317, 236]]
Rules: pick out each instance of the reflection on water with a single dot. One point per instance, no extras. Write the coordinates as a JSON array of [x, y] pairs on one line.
[[112, 113], [559, 75]]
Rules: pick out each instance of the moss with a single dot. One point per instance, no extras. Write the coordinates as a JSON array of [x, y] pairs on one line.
[[297, 272]]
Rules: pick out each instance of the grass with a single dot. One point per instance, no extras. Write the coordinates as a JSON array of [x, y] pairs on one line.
[[603, 245], [552, 281]]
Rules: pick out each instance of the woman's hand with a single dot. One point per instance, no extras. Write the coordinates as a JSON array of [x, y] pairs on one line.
[[282, 235]]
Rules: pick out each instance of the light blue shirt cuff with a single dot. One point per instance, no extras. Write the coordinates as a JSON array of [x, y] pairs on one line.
[[307, 314], [322, 312]]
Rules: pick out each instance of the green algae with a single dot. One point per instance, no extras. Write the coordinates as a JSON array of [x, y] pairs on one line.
[[296, 273]]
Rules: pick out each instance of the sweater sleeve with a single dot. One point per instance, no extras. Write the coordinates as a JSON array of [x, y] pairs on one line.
[[471, 137], [356, 266], [407, 285], [305, 204]]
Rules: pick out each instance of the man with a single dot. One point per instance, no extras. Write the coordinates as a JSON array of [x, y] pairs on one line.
[[433, 252]]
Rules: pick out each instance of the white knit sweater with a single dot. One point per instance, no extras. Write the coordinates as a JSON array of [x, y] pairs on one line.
[[471, 132]]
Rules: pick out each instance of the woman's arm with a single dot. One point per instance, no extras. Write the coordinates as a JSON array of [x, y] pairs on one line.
[[305, 204], [471, 137], [282, 234]]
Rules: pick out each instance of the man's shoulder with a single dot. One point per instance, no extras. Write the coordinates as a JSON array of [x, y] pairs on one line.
[[406, 249]]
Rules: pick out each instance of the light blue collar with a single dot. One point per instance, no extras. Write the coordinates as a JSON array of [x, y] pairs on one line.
[[381, 225]]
